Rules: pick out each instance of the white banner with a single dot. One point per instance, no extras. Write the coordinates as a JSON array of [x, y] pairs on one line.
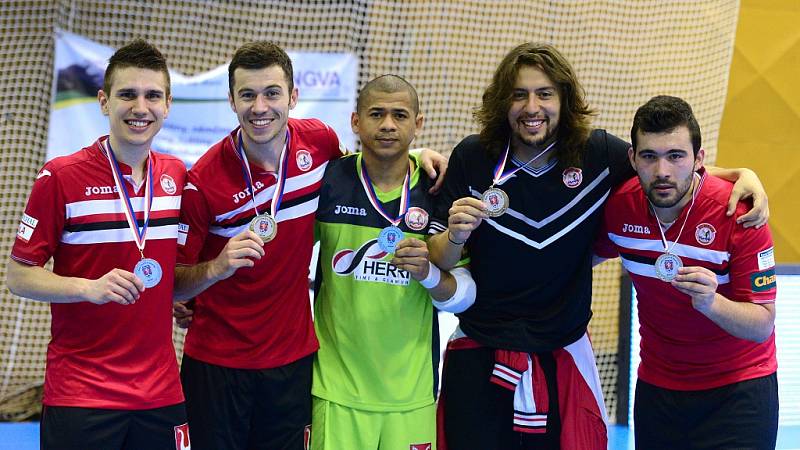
[[200, 115]]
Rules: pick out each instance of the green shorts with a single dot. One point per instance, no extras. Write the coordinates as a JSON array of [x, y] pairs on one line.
[[337, 427]]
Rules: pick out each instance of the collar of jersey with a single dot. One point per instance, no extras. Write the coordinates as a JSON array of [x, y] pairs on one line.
[[386, 197], [534, 171]]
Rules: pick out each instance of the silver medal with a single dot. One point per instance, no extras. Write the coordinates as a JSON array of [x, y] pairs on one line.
[[667, 266], [149, 271], [389, 237], [496, 201], [264, 226]]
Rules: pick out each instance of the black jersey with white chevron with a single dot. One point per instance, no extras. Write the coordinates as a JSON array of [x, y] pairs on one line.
[[532, 265]]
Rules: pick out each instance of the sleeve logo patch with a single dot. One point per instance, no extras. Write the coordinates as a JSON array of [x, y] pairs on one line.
[[29, 221], [766, 259], [26, 227], [763, 281]]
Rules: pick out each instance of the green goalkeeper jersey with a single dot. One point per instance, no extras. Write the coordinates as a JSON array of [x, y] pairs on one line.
[[377, 329]]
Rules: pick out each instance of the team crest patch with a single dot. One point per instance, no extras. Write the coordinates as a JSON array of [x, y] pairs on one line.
[[182, 441], [572, 177], [420, 446], [168, 184], [763, 281], [304, 160], [416, 218], [705, 233]]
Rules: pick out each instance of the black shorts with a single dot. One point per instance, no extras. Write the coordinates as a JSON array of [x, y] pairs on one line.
[[478, 414], [741, 415], [71, 428], [236, 409]]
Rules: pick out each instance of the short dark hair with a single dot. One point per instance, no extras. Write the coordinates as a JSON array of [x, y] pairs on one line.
[[574, 125], [388, 83], [664, 113], [260, 55], [140, 54]]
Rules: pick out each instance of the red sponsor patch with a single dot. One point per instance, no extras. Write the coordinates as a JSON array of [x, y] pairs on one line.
[[182, 441]]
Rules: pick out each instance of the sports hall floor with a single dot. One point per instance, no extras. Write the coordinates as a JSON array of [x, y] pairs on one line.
[[25, 436]]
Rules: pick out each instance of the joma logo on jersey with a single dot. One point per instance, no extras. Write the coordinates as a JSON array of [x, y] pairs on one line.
[[97, 190], [242, 195], [366, 264], [638, 229], [763, 281], [350, 210]]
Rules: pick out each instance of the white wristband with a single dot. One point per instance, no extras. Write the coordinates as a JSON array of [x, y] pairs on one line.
[[434, 275]]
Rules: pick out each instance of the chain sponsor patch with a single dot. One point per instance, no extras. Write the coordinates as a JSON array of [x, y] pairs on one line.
[[763, 281], [766, 259]]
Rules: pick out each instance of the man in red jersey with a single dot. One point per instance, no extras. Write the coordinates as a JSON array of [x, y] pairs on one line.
[[705, 288], [108, 216], [248, 233]]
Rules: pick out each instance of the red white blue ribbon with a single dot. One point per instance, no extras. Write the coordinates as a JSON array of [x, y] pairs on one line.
[[500, 177], [405, 195], [277, 196], [139, 234]]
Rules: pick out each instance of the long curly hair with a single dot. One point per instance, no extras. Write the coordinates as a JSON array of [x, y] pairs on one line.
[[574, 123]]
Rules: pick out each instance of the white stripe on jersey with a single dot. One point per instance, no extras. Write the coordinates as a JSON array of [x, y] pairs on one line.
[[292, 184], [655, 245], [117, 235], [92, 207], [303, 209], [649, 270], [553, 238], [563, 210]]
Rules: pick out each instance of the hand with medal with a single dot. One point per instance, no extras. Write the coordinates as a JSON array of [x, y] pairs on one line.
[[464, 217], [411, 255], [698, 283], [118, 286], [241, 250]]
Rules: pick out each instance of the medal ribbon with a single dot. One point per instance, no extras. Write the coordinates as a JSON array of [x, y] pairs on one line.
[[500, 177], [405, 195], [139, 234], [277, 196], [667, 247]]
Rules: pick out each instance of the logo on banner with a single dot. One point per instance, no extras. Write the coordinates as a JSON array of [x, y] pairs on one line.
[[416, 218], [705, 233], [168, 184], [304, 160], [366, 264], [182, 437], [572, 177]]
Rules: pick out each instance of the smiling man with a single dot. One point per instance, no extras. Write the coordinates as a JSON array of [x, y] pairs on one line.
[[108, 217], [706, 293]]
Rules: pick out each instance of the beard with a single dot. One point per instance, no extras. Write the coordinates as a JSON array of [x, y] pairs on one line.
[[681, 189]]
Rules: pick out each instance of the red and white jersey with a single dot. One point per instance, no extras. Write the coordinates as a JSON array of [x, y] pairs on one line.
[[681, 348], [105, 356], [260, 317]]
